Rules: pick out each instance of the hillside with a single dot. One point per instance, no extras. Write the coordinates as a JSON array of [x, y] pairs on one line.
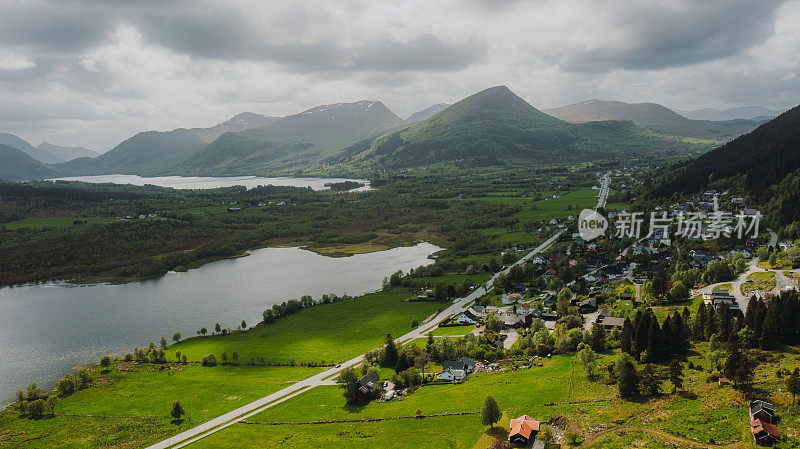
[[754, 162], [755, 113], [153, 152], [493, 126], [427, 113], [300, 138], [652, 115], [51, 153], [18, 166]]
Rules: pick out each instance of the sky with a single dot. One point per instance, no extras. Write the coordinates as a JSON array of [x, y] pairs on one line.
[[93, 73]]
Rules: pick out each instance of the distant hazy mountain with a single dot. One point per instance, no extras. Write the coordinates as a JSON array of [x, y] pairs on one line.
[[652, 115], [493, 126], [427, 113], [18, 166], [755, 113], [153, 152], [15, 142], [50, 153], [310, 135]]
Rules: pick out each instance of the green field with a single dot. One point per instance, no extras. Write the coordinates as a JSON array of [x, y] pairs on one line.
[[327, 333], [452, 330], [762, 281], [129, 406], [52, 222]]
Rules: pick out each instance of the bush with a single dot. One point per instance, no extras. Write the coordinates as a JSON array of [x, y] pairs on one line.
[[210, 360]]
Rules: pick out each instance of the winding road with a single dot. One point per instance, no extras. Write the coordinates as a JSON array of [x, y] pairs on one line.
[[326, 377]]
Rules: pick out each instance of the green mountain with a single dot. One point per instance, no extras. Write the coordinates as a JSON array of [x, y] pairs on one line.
[[154, 152], [652, 115], [18, 166], [496, 125], [754, 113], [758, 163], [294, 140]]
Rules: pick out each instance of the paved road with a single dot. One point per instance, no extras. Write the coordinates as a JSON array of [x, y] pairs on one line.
[[605, 186], [325, 377], [773, 238]]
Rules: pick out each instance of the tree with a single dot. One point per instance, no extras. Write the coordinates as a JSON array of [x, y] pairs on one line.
[[649, 381], [414, 324], [163, 343], [244, 325], [627, 377], [793, 383], [176, 337], [563, 300], [588, 360], [217, 328], [203, 331], [679, 292], [348, 381], [490, 411], [676, 375], [493, 323], [33, 393], [177, 411], [598, 338], [390, 359], [105, 362]]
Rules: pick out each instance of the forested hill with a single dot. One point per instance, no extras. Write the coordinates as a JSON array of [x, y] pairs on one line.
[[762, 157], [756, 163], [495, 125]]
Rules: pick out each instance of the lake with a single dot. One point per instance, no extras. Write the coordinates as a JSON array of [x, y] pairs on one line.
[[202, 182], [48, 329]]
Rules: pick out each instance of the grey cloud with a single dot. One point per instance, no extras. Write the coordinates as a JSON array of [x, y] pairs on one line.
[[660, 37]]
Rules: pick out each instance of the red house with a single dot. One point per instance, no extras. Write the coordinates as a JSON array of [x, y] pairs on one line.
[[523, 430]]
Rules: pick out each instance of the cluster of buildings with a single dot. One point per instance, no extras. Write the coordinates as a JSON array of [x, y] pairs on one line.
[[763, 422]]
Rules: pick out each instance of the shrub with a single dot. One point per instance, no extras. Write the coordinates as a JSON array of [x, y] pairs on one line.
[[210, 360]]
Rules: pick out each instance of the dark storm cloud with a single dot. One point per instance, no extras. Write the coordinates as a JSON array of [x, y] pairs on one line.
[[660, 36]]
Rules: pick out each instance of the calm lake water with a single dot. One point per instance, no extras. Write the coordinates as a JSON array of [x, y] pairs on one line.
[[200, 182], [46, 330]]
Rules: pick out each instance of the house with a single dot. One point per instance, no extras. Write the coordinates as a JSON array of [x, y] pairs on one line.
[[701, 258], [456, 370], [762, 410], [720, 297], [452, 375], [513, 320], [603, 313], [473, 315], [366, 384], [612, 322], [549, 302], [765, 434], [523, 430], [723, 381], [587, 305]]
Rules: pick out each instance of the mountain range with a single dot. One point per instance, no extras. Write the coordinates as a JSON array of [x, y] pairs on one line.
[[755, 113], [652, 115], [489, 127], [494, 125]]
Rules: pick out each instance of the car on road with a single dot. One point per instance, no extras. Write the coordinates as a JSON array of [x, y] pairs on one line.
[[338, 365]]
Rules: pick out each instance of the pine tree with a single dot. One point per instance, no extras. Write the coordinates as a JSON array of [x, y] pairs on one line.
[[793, 383], [699, 330], [390, 360], [627, 377], [177, 410], [676, 375], [627, 331], [598, 338], [733, 362]]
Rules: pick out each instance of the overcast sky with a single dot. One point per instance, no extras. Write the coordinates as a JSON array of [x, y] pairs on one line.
[[93, 72]]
